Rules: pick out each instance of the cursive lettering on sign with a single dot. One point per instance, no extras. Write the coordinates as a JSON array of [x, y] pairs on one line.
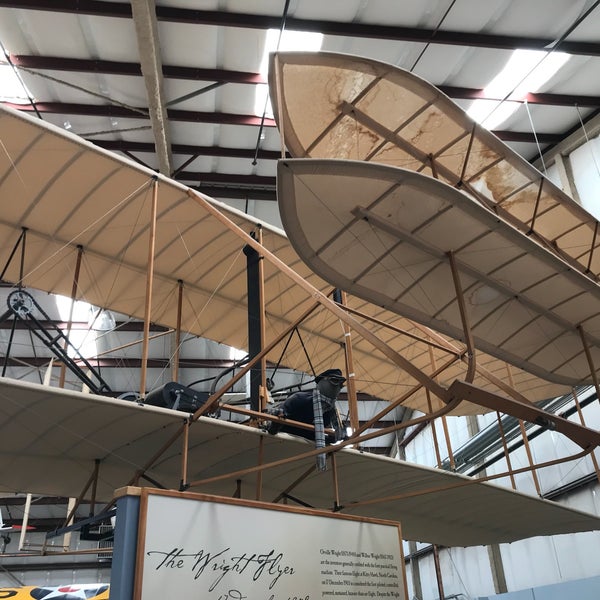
[[225, 564]]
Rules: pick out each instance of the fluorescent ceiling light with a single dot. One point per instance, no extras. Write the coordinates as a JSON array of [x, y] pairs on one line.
[[12, 89], [524, 73], [291, 41], [82, 339]]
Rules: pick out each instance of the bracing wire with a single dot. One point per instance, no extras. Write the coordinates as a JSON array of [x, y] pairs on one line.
[[587, 139], [537, 142]]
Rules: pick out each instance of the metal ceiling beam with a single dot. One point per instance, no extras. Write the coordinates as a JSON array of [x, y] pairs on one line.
[[128, 363], [110, 67], [228, 178], [543, 99], [111, 110], [363, 30], [223, 76], [528, 137], [236, 193], [121, 326], [125, 146], [146, 28]]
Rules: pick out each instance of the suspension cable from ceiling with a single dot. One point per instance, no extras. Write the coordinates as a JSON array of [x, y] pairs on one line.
[[433, 34], [551, 48], [264, 112]]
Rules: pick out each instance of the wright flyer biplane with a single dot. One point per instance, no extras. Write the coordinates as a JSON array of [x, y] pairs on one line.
[[443, 272]]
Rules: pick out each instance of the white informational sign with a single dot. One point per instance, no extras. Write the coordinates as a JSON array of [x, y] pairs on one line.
[[235, 550]]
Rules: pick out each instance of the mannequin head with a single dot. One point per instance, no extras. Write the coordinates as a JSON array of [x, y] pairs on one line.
[[330, 382]]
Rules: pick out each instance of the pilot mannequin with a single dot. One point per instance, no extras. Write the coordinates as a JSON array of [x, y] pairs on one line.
[[316, 407]]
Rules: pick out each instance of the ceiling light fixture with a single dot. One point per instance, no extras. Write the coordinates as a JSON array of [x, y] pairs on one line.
[[525, 72], [291, 41], [12, 88]]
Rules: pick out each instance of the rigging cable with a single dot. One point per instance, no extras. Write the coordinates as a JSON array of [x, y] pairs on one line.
[[552, 47], [433, 34], [537, 142], [587, 139], [262, 119]]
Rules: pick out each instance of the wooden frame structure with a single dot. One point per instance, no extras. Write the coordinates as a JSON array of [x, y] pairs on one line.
[[64, 212]]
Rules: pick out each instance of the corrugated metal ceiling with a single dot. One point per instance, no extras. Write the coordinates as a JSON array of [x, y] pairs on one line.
[[81, 61]]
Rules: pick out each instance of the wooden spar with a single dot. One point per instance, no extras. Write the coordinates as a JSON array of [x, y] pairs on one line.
[[212, 400], [133, 343], [465, 482], [294, 484], [157, 455], [444, 344], [350, 381], [467, 157], [526, 442], [440, 344], [402, 399], [444, 421], [386, 350], [331, 448], [436, 445], [464, 317], [432, 166], [279, 103], [536, 206], [438, 571], [22, 262], [63, 366], [92, 481], [362, 118], [581, 418], [588, 356], [94, 485], [506, 452], [267, 417], [149, 282], [339, 117], [176, 352], [448, 443], [592, 247], [582, 436]]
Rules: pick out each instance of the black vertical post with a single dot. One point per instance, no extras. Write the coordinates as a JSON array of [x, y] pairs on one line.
[[255, 341]]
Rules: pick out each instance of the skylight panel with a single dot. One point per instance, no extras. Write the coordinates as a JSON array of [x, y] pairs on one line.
[[12, 88], [291, 41], [524, 73]]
